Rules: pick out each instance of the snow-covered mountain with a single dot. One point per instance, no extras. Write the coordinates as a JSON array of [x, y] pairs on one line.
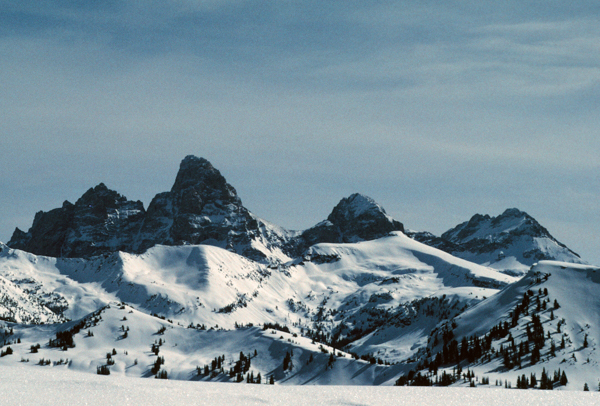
[[119, 340], [510, 242], [24, 301], [380, 296], [355, 218], [199, 270], [208, 283], [202, 208], [547, 321]]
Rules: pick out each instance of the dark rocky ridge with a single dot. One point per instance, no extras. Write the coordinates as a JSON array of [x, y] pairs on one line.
[[100, 221], [200, 208]]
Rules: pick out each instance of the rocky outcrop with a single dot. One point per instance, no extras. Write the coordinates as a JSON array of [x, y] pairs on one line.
[[100, 221], [200, 208], [355, 218]]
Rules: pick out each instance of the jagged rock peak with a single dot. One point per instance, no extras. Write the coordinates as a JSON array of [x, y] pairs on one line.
[[514, 212], [510, 242], [101, 195], [360, 216], [205, 179], [101, 221]]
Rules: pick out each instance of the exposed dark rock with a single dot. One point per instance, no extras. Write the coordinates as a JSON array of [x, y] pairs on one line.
[[355, 218], [100, 221], [201, 207], [432, 240]]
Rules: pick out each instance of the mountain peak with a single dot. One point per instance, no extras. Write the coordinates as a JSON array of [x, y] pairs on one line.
[[495, 240], [199, 177], [511, 221], [514, 212], [355, 206], [100, 196], [354, 218]]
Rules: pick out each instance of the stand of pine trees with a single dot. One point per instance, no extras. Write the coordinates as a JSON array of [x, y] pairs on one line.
[[479, 349]]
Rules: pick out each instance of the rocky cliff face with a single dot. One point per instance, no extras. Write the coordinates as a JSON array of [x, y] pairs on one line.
[[100, 221], [201, 207]]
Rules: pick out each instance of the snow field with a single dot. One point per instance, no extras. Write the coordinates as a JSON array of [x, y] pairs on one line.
[[25, 386]]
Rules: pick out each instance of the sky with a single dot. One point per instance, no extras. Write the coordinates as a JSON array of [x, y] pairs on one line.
[[436, 109]]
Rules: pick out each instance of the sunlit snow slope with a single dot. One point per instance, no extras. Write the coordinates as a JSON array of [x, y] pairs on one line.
[[565, 297], [342, 290]]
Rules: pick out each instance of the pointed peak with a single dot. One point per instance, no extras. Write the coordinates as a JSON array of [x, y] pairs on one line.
[[194, 161], [514, 212], [100, 194], [356, 205], [202, 175], [360, 217], [478, 218]]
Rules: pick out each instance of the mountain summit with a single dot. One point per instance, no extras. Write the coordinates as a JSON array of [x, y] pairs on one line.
[[354, 218], [100, 221], [511, 242], [359, 216], [201, 207]]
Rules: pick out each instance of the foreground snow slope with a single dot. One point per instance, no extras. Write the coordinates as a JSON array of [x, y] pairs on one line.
[[51, 386]]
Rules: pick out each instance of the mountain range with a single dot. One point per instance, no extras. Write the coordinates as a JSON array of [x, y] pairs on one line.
[[358, 284]]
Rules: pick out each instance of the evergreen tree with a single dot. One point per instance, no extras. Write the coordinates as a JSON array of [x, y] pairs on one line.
[[563, 379], [535, 354], [331, 361], [287, 362]]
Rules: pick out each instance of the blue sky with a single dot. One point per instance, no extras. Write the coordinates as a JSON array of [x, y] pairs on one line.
[[437, 110]]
